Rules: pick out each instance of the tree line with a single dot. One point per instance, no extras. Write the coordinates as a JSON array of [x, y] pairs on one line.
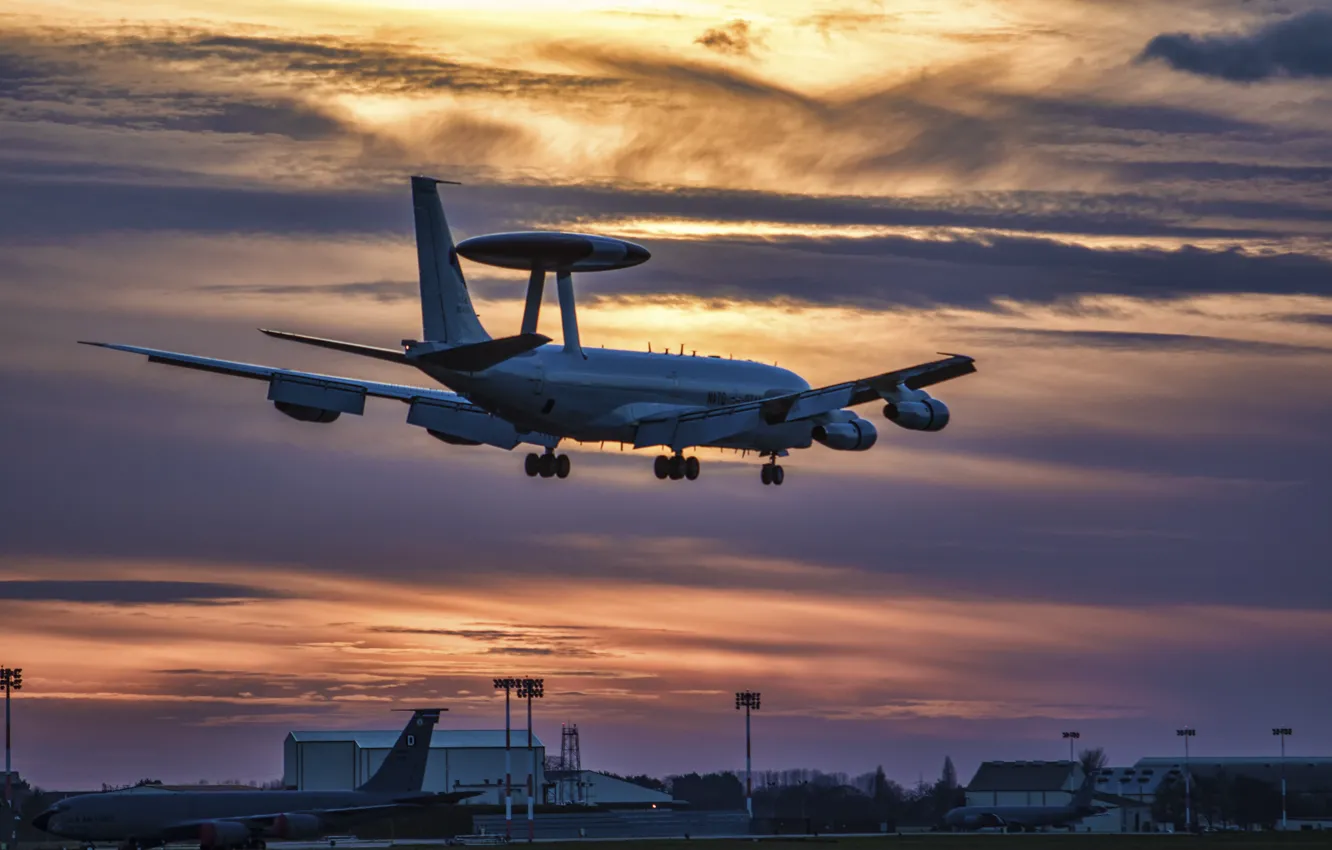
[[814, 801]]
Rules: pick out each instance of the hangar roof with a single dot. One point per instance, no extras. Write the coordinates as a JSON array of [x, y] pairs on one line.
[[441, 739], [1023, 776]]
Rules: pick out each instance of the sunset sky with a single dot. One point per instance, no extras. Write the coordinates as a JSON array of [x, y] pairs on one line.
[[1121, 208]]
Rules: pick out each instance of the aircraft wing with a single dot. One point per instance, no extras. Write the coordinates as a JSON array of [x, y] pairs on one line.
[[434, 409], [702, 426]]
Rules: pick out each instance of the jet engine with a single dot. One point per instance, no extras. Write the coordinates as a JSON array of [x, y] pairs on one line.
[[296, 826], [928, 414], [854, 436], [303, 413], [982, 820], [220, 834]]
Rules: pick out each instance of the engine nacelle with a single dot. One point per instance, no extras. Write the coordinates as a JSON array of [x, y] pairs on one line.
[[854, 436], [303, 413], [983, 820], [295, 827], [452, 439], [220, 834], [928, 414]]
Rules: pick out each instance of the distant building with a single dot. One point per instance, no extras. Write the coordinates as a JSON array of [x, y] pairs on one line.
[[1024, 783], [591, 788], [460, 760], [1311, 775]]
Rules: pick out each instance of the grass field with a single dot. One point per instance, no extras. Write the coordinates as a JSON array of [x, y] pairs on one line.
[[907, 841], [984, 841]]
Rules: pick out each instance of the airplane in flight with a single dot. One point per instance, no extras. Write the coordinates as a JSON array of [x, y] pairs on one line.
[[150, 816], [1027, 818], [520, 389]]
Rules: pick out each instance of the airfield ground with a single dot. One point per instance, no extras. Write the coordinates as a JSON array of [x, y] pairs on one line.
[[907, 841]]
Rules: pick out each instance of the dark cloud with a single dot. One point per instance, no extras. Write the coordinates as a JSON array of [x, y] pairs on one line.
[[732, 39], [1297, 46], [378, 290], [1310, 318], [113, 592], [1144, 341]]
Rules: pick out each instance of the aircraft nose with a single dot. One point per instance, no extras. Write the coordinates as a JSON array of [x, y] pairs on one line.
[[43, 821]]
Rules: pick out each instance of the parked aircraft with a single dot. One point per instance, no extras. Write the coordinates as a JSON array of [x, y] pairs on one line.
[[519, 390], [150, 816], [1019, 818]]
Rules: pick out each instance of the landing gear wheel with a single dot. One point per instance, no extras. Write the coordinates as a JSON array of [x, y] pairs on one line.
[[691, 469], [765, 473], [562, 466], [547, 465], [778, 475], [532, 465], [677, 468], [661, 467]]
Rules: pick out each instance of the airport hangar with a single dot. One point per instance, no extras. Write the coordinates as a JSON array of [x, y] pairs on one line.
[[460, 760]]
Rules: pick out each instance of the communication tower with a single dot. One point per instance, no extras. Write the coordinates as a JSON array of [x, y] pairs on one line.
[[571, 766]]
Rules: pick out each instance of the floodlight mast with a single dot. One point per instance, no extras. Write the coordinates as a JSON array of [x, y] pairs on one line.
[[508, 685], [1071, 736], [749, 700], [11, 678], [1283, 732], [1186, 733], [531, 689]]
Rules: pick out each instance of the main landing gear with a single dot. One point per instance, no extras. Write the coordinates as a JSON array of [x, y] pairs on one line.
[[771, 473], [548, 465], [676, 467]]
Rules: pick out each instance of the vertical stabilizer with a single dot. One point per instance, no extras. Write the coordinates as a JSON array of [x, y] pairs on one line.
[[403, 769], [1083, 798], [446, 308]]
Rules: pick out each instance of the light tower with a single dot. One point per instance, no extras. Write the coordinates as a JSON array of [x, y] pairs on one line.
[[1071, 737], [1283, 732], [507, 685], [530, 689], [749, 700], [12, 680], [1186, 733]]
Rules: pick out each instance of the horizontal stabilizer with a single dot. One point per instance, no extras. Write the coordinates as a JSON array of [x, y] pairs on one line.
[[479, 356], [389, 354]]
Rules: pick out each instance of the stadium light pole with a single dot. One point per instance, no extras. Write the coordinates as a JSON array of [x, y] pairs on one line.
[[1071, 737], [531, 689], [1283, 732], [507, 685], [749, 700], [1186, 733], [12, 680]]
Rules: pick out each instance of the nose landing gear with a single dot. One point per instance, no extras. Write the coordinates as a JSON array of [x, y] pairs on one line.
[[676, 467], [548, 465]]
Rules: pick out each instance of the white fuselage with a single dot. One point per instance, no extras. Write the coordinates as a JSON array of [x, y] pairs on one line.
[[600, 394]]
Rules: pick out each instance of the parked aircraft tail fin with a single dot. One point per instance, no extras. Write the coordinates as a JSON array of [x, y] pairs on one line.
[[1083, 797], [446, 307], [403, 769]]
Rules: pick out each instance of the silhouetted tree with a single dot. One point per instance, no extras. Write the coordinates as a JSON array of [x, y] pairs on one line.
[[948, 778], [1092, 759], [709, 791]]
